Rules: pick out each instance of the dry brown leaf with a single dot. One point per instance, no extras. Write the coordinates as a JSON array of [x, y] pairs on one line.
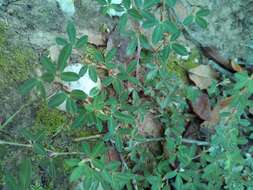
[[202, 76], [149, 127], [201, 107], [94, 37], [236, 67]]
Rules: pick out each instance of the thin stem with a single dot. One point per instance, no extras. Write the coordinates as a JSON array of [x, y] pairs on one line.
[[88, 138], [51, 152]]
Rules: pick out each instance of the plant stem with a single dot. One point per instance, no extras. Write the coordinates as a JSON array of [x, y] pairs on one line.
[[51, 153], [88, 138]]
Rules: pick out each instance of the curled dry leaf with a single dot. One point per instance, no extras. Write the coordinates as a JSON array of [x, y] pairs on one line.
[[202, 76]]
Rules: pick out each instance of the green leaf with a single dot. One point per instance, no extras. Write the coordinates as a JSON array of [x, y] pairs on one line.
[[134, 13], [69, 76], [78, 95], [170, 3], [144, 42], [131, 66], [203, 12], [78, 122], [157, 34], [48, 65], [94, 92], [93, 73], [201, 22], [98, 150], [25, 174], [48, 77], [39, 149], [77, 173], [107, 81], [110, 55], [124, 117], [82, 42], [117, 86], [170, 175], [131, 47], [122, 23], [57, 100], [179, 49], [188, 20], [61, 41], [63, 57], [11, 182], [150, 3], [83, 70], [71, 30], [71, 106], [27, 86], [72, 162]]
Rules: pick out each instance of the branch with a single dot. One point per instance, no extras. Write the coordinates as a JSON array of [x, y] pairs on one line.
[[51, 153]]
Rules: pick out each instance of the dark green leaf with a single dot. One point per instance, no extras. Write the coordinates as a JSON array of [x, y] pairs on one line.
[[144, 42], [83, 70], [188, 20], [71, 30], [94, 92], [63, 57], [131, 48], [93, 73], [179, 49], [11, 182], [57, 100], [78, 95], [124, 117], [150, 3], [61, 41], [131, 66], [134, 13], [78, 122], [25, 173], [48, 65], [69, 76], [82, 42], [39, 149], [117, 86], [48, 77], [98, 149], [203, 13], [77, 173], [27, 86], [157, 34], [170, 3], [71, 106], [201, 22], [111, 54], [122, 22]]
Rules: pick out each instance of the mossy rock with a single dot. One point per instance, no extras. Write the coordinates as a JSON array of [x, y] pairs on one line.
[[15, 60], [49, 119], [180, 66]]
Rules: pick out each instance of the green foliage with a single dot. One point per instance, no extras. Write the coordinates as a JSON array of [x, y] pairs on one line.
[[127, 154]]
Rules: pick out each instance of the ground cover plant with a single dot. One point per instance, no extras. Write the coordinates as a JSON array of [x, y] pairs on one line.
[[161, 119]]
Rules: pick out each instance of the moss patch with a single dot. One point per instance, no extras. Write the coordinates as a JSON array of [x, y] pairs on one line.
[[180, 66], [15, 60], [49, 119]]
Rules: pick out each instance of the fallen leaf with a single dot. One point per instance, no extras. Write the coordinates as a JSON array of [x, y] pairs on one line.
[[202, 76], [94, 37], [149, 127], [236, 67], [201, 107]]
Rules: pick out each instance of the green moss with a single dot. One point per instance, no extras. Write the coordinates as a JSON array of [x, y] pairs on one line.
[[15, 61], [180, 66], [49, 119]]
